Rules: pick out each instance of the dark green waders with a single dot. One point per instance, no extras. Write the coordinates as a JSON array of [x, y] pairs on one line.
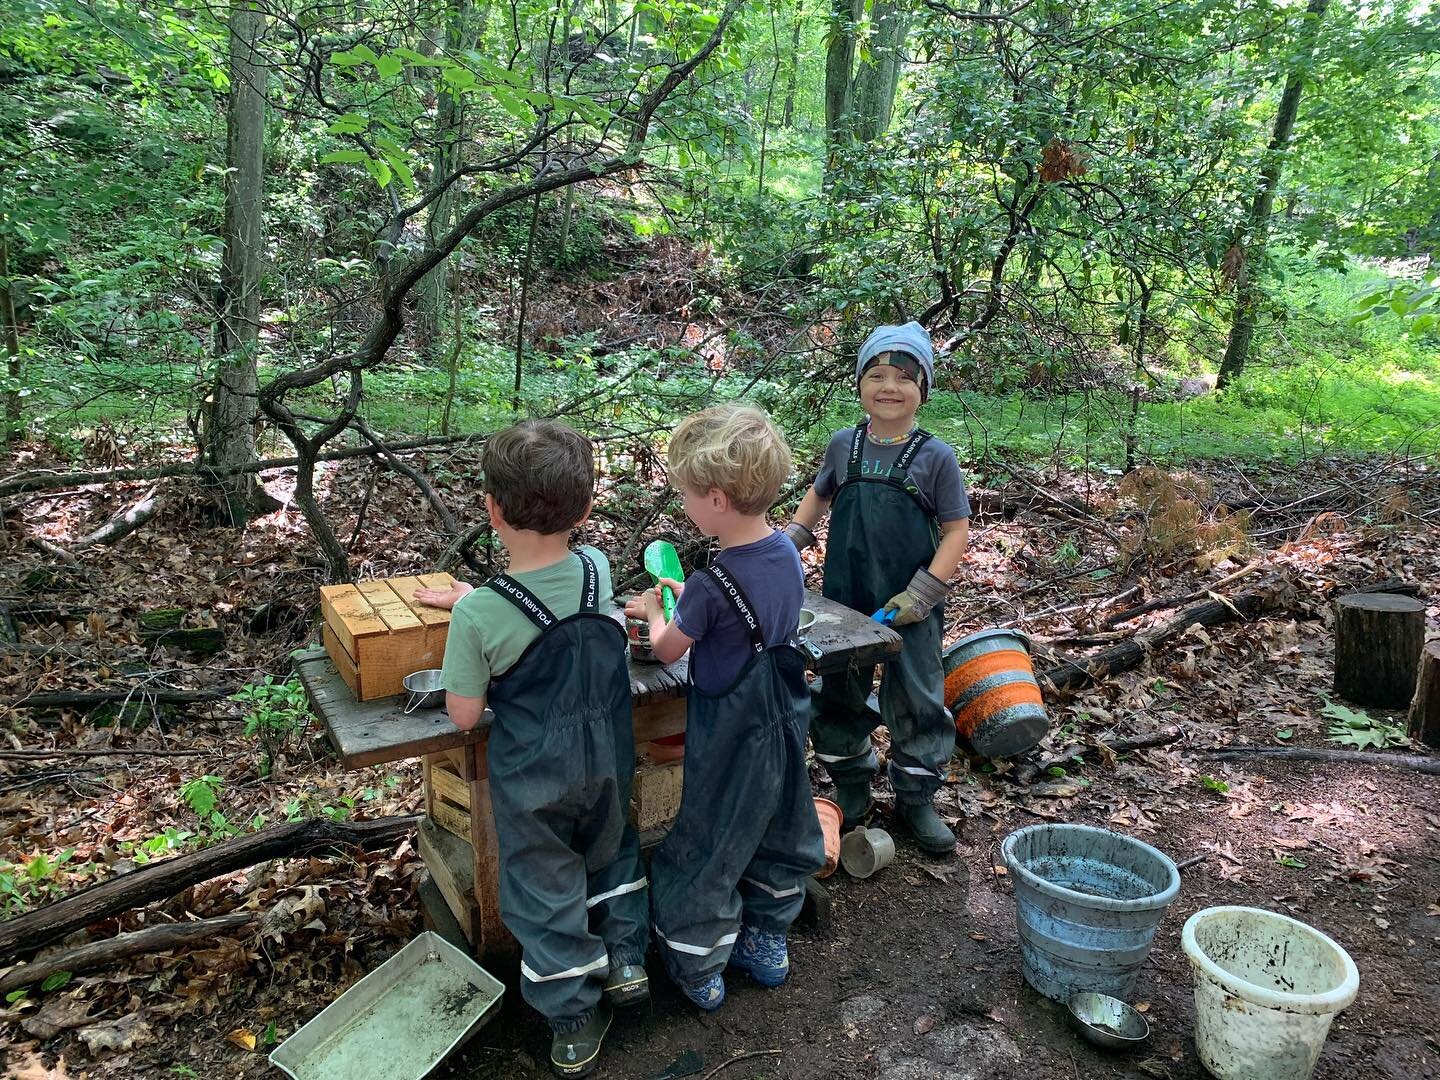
[[879, 536], [562, 762], [747, 835]]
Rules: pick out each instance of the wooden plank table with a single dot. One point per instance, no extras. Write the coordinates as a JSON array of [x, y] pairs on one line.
[[375, 732]]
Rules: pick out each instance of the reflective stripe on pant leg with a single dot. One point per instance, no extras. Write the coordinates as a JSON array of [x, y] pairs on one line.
[[601, 964], [922, 735]]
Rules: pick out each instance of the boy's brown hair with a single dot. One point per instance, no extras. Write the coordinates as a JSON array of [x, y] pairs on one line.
[[736, 448], [542, 474]]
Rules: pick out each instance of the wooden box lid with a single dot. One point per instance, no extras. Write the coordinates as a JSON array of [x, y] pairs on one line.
[[376, 632]]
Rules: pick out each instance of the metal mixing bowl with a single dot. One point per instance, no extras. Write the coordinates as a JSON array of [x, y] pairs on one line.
[[1108, 1021], [426, 690]]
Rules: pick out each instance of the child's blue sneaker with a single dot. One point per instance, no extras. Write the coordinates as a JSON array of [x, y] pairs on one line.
[[762, 954], [709, 995]]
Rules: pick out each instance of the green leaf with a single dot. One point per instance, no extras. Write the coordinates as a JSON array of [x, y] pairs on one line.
[[1209, 783], [389, 66], [16, 995], [379, 170], [1292, 862], [344, 157], [352, 123], [56, 979]]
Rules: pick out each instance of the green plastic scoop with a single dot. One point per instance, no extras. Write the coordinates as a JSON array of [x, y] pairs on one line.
[[661, 560]]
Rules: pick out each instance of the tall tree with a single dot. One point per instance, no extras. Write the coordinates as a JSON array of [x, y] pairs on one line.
[[460, 33], [1251, 245], [230, 438], [878, 76], [839, 62], [11, 334]]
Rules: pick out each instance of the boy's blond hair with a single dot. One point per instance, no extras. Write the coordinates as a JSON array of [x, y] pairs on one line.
[[736, 448]]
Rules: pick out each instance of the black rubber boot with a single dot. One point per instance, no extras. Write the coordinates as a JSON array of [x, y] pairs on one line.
[[627, 985], [854, 802], [930, 832], [576, 1053]]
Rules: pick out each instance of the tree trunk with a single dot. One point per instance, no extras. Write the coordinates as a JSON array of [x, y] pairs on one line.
[[787, 118], [1425, 708], [11, 331], [839, 61], [162, 880], [875, 82], [1242, 327], [230, 438], [449, 156], [1378, 641]]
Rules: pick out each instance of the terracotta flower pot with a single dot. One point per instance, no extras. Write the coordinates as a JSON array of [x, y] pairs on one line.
[[830, 817], [664, 750]]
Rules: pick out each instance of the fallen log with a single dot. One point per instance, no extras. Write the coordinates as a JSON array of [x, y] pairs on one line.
[[1026, 771], [162, 880], [1428, 765], [1163, 602], [1074, 674], [90, 698], [100, 953], [122, 524]]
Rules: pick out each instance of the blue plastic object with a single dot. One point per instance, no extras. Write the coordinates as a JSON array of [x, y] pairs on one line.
[[884, 616], [1087, 903]]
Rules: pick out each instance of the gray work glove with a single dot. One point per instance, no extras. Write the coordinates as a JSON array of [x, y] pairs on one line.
[[918, 600], [799, 535]]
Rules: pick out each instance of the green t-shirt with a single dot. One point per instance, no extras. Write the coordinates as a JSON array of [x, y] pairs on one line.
[[488, 633]]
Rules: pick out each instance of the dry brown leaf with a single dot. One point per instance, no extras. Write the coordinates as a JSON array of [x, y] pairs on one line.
[[124, 1034], [33, 1067], [244, 1038], [56, 1015], [924, 1024]]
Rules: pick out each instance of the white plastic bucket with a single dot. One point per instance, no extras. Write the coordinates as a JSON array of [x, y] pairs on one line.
[[1266, 988]]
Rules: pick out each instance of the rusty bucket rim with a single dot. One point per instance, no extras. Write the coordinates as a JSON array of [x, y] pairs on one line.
[[981, 635]]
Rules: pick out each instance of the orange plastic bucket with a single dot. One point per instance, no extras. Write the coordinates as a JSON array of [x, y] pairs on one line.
[[990, 688], [830, 816]]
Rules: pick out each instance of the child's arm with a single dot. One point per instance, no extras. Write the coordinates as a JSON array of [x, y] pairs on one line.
[[954, 539], [465, 712], [811, 511], [666, 641], [444, 598]]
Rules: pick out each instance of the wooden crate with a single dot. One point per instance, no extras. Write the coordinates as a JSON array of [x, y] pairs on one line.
[[451, 863], [376, 633]]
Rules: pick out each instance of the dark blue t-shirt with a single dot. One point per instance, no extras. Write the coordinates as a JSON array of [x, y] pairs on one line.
[[769, 573]]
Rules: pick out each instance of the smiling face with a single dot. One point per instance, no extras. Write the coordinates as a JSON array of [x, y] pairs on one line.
[[888, 393]]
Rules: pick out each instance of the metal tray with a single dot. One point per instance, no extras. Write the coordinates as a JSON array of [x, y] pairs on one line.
[[398, 1022]]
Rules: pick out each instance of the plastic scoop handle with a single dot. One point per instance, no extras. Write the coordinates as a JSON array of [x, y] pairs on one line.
[[884, 616]]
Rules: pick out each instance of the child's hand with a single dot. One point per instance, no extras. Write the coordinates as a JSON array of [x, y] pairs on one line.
[[645, 606], [443, 598]]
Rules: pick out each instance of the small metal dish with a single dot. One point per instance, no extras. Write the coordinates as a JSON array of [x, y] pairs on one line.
[[807, 620], [427, 691], [1107, 1021]]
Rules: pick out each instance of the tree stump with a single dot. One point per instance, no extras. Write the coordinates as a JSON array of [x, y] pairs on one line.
[[1378, 639], [1425, 708]]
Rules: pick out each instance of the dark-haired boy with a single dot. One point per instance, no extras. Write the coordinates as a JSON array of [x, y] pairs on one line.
[[537, 646]]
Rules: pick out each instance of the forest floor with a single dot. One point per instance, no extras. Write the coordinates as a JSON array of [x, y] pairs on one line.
[[919, 976]]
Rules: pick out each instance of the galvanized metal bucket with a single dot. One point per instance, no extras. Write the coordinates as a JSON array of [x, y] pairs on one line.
[[991, 689], [1087, 903]]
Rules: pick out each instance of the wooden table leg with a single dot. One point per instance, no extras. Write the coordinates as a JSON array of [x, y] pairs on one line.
[[495, 940]]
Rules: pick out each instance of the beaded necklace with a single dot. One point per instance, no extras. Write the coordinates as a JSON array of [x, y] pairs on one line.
[[892, 440]]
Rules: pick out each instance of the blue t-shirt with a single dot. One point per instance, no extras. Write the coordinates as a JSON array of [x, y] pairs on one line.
[[769, 573], [934, 470]]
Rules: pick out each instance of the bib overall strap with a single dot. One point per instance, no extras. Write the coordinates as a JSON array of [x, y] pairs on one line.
[[590, 588], [900, 470], [731, 588], [857, 450], [528, 606]]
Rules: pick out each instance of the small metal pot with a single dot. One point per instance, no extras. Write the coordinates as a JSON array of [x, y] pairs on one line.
[[1107, 1021], [637, 633], [807, 620], [427, 691]]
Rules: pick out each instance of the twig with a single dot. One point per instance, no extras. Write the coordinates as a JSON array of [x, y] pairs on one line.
[[738, 1057], [1428, 765], [1185, 864], [114, 751]]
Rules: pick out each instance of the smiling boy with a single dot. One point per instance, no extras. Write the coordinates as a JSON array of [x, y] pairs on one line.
[[900, 521]]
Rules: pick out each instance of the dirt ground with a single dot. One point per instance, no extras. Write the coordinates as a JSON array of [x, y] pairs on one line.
[[919, 976]]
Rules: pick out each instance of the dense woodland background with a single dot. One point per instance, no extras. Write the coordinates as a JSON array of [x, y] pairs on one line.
[[269, 273]]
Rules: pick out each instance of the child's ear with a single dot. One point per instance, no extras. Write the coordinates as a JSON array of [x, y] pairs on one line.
[[718, 499], [493, 511], [586, 515]]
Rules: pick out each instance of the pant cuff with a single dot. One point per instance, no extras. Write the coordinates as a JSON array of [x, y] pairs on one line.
[[567, 1025]]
